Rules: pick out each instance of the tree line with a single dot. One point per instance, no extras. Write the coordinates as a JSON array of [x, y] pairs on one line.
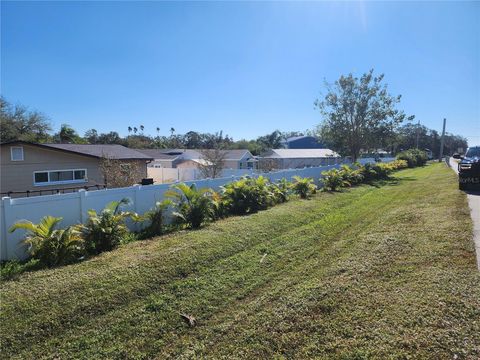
[[358, 116]]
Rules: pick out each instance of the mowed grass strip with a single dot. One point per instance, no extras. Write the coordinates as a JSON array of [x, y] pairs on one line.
[[373, 272]]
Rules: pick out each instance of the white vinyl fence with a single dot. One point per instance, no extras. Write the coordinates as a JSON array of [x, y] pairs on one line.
[[73, 207], [170, 175]]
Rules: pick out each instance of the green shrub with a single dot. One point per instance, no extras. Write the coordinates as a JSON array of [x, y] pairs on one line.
[[155, 219], [413, 157], [333, 180], [11, 269], [372, 172], [303, 187], [351, 176], [105, 231], [281, 190], [49, 245], [194, 207], [248, 195]]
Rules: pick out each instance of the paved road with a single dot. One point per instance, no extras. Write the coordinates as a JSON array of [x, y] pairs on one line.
[[474, 203]]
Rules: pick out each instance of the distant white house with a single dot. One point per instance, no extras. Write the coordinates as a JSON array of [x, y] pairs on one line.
[[191, 158], [300, 158]]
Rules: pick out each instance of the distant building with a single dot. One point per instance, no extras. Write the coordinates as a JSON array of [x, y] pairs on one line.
[[191, 158], [302, 142], [298, 158]]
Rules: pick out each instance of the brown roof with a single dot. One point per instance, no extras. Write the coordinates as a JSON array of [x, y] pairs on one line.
[[170, 154], [93, 150], [157, 154]]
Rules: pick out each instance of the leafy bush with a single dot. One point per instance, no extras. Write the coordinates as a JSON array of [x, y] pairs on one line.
[[194, 207], [49, 245], [413, 157], [333, 180], [105, 231], [399, 164], [248, 195], [351, 176], [219, 207], [304, 187], [281, 190], [155, 219], [11, 269]]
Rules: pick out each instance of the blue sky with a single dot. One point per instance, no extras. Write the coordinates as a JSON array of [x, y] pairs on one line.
[[246, 68]]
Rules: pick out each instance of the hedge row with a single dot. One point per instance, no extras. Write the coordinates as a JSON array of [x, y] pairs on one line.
[[185, 207]]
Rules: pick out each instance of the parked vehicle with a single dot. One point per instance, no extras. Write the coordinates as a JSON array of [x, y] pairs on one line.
[[469, 168]]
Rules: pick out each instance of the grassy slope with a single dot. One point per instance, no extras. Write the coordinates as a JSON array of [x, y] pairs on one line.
[[374, 272]]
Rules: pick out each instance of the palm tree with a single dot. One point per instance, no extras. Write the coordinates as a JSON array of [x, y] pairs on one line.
[[130, 129], [67, 134], [194, 207], [135, 130], [50, 245], [172, 130], [141, 128], [158, 131]]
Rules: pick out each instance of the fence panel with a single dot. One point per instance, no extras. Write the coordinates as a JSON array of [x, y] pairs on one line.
[[73, 207]]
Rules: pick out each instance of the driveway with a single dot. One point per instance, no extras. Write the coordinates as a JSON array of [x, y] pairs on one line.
[[474, 203]]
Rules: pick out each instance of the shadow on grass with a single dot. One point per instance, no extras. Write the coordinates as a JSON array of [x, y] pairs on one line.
[[392, 181]]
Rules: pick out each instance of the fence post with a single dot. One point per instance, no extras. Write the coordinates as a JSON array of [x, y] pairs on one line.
[[135, 197], [6, 224], [82, 194]]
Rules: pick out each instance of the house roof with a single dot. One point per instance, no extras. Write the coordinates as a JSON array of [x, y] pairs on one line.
[[167, 154], [294, 138], [301, 153], [157, 154], [118, 152]]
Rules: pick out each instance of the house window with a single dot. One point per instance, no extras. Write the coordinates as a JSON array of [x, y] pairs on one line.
[[58, 177], [16, 153]]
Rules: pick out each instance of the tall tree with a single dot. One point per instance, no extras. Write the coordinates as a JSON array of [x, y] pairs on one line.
[[271, 141], [130, 129], [359, 113], [142, 128], [91, 136], [18, 123], [67, 134], [213, 162]]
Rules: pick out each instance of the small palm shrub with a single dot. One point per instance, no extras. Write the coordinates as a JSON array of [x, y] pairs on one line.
[[155, 219], [399, 164], [369, 172], [193, 207], [413, 157], [303, 187], [333, 180], [382, 170], [351, 176], [281, 190], [106, 230], [219, 207], [247, 195], [51, 246]]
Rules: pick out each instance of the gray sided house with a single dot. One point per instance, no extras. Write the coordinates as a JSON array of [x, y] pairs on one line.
[[302, 142], [191, 158], [44, 168], [298, 158]]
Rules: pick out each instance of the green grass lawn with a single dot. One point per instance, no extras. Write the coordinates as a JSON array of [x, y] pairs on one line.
[[372, 272]]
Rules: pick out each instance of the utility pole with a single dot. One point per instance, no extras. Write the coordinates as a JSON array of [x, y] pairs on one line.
[[440, 156]]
